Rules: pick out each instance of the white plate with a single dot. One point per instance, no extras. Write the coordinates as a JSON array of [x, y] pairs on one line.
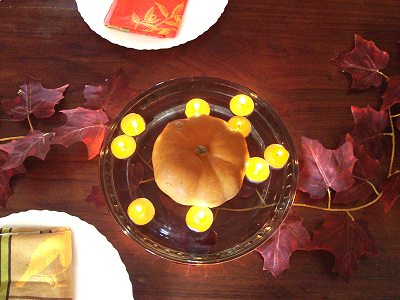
[[198, 17], [97, 267]]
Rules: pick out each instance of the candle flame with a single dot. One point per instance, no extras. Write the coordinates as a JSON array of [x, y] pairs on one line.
[[279, 153], [139, 208], [196, 105], [242, 100], [201, 215], [134, 124]]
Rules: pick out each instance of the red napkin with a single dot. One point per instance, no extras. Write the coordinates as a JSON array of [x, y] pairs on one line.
[[161, 18]]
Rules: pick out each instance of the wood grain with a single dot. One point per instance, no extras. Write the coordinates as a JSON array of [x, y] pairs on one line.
[[279, 49]]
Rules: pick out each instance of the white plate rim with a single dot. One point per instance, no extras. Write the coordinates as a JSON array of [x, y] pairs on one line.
[[194, 24]]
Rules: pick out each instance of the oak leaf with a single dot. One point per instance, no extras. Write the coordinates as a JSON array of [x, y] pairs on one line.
[[83, 125], [323, 169], [34, 99], [390, 191], [347, 240], [368, 129], [391, 95], [96, 197], [364, 63], [289, 237], [111, 96], [36, 144], [5, 176]]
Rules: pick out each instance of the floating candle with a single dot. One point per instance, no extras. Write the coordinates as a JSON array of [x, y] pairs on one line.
[[276, 156], [123, 146], [241, 105], [257, 170], [197, 107], [199, 218], [141, 211], [240, 124], [133, 124]]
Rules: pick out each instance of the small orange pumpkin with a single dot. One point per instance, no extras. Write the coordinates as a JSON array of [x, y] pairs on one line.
[[199, 161]]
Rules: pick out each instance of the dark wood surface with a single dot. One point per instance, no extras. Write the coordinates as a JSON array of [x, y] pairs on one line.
[[281, 49]]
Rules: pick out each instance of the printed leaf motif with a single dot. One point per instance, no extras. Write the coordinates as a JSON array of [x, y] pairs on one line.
[[178, 9], [5, 176], [162, 9], [289, 237], [363, 63], [391, 95], [360, 191], [322, 169], [110, 96], [365, 167], [34, 99], [83, 125], [36, 144], [390, 192], [96, 197], [368, 129], [348, 241]]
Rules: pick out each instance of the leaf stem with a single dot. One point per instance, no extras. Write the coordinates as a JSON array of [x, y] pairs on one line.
[[340, 209], [350, 215], [370, 183], [144, 161], [146, 180], [393, 143], [30, 122], [382, 74], [261, 197], [11, 138], [395, 116], [329, 198]]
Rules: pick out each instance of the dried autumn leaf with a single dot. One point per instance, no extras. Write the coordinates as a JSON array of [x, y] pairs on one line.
[[366, 167], [360, 191], [96, 197], [364, 63], [347, 240], [36, 144], [83, 125], [110, 96], [289, 237], [390, 192], [34, 99], [368, 129], [391, 95], [323, 169], [5, 176]]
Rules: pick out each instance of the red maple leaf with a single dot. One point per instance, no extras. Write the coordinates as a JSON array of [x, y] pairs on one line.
[[83, 125], [110, 96], [368, 129], [34, 99], [36, 143], [391, 95], [360, 191], [366, 167], [5, 176], [289, 237], [96, 197], [390, 191], [347, 240], [322, 169], [363, 63]]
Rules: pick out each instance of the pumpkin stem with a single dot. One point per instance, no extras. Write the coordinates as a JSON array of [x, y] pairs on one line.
[[201, 150]]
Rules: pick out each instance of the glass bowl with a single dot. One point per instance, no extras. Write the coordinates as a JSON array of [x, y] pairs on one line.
[[242, 223]]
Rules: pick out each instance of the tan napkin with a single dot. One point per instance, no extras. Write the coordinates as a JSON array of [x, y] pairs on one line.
[[35, 263]]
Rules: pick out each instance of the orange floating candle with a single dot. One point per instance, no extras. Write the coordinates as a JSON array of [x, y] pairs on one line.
[[197, 107], [241, 105], [133, 124], [123, 146], [199, 218], [240, 124], [257, 170], [141, 211], [276, 156]]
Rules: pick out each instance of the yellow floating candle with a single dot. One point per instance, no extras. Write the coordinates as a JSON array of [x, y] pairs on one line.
[[123, 146], [199, 218], [240, 124], [276, 156], [257, 170], [197, 107], [141, 211], [241, 105], [133, 124]]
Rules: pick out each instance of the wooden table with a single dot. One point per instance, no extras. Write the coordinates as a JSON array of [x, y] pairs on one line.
[[279, 49]]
